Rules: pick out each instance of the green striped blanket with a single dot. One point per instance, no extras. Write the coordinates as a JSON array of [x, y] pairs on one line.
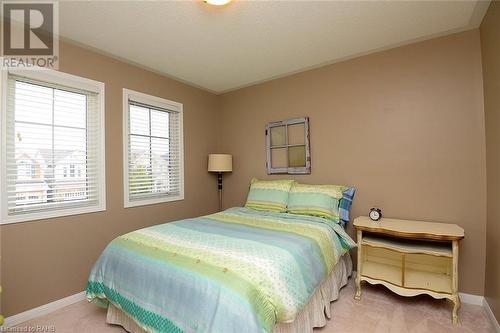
[[240, 270]]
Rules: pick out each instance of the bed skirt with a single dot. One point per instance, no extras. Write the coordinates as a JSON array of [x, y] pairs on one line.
[[314, 313]]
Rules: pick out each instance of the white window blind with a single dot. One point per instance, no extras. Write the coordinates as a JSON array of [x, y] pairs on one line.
[[154, 150], [54, 150]]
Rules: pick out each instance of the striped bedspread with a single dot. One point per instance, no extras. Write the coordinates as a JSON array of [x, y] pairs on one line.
[[237, 271]]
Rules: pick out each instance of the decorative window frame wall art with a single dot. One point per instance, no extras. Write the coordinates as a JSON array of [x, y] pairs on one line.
[[288, 147]]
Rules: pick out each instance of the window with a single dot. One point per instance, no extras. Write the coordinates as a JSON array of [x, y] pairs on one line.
[[153, 146], [53, 122], [288, 146]]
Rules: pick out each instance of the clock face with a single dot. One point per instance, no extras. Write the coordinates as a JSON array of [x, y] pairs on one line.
[[374, 215]]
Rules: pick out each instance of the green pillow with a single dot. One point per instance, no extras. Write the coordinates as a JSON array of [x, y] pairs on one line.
[[271, 195], [316, 200]]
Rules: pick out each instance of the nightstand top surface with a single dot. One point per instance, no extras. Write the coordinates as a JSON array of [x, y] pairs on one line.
[[410, 229]]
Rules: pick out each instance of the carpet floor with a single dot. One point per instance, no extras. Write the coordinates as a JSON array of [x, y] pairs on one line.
[[379, 311]]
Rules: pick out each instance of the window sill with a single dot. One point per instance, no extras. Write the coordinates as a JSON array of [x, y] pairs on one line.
[[146, 202], [52, 214]]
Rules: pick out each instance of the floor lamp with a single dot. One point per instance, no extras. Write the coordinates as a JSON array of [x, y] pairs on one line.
[[220, 163]]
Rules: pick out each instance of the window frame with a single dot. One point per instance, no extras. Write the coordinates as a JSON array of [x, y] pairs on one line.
[[161, 103], [303, 170], [64, 79]]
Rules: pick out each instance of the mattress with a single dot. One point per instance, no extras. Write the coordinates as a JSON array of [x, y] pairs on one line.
[[314, 314], [240, 270]]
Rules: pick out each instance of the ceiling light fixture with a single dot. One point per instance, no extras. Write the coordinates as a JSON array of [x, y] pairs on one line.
[[217, 2]]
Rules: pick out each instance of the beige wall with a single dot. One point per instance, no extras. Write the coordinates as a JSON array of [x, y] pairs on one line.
[[405, 126], [490, 42], [43, 261]]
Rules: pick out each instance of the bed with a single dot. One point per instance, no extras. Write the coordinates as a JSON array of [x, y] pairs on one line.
[[241, 270]]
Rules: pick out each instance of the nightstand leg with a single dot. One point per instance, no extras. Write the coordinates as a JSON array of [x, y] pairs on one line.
[[456, 298], [456, 306], [357, 297]]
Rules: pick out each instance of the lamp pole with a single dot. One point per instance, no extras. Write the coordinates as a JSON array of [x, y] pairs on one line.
[[219, 186]]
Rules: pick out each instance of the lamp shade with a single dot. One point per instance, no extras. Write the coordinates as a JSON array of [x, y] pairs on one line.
[[220, 163]]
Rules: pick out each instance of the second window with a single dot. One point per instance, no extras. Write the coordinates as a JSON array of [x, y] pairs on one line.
[[153, 150]]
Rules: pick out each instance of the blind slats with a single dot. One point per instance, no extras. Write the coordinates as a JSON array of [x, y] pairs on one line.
[[53, 139], [154, 164]]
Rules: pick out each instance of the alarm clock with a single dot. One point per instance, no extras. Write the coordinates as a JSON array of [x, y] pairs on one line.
[[375, 214]]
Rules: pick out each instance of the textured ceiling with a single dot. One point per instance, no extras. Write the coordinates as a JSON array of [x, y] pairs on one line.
[[246, 42]]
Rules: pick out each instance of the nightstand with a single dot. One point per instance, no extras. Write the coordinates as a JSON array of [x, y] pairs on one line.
[[409, 257]]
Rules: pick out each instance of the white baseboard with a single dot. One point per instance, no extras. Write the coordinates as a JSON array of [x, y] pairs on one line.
[[42, 310], [471, 299], [494, 320]]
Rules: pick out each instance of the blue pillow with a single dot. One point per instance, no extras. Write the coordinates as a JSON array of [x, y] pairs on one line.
[[345, 205]]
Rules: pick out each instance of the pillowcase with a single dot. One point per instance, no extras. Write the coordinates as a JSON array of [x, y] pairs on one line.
[[271, 195], [316, 200], [345, 205]]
